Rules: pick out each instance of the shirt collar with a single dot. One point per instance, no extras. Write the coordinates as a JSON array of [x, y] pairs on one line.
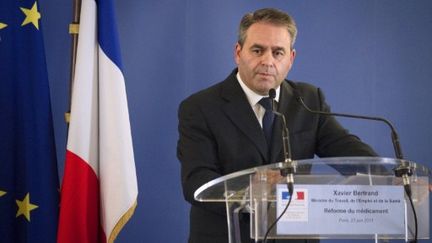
[[253, 97]]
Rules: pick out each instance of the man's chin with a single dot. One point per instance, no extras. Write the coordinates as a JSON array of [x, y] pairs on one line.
[[264, 90], [263, 86]]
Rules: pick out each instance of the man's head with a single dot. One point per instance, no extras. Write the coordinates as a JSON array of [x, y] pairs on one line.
[[264, 52]]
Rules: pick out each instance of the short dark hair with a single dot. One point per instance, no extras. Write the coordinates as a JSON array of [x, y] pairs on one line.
[[269, 15]]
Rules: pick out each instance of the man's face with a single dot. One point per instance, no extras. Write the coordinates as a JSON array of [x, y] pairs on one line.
[[265, 58]]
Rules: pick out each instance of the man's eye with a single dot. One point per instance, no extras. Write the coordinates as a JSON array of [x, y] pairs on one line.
[[256, 51], [279, 53]]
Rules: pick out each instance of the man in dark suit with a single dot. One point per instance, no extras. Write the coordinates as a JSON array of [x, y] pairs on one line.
[[220, 127]]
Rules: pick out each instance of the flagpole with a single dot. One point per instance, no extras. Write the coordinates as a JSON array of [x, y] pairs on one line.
[[73, 31]]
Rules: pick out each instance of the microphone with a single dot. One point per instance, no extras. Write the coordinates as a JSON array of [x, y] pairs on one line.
[[285, 132], [394, 135], [403, 170], [288, 169]]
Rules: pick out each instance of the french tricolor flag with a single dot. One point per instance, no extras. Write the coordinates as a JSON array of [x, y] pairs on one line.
[[99, 189]]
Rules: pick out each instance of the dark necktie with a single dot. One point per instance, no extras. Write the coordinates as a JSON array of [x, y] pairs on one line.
[[268, 118]]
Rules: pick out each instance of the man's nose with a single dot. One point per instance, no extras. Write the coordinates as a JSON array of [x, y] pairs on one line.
[[267, 59]]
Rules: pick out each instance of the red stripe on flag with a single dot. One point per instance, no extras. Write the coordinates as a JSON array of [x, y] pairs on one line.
[[79, 216]]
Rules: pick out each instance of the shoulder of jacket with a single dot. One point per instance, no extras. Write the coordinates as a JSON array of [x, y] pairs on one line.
[[302, 86]]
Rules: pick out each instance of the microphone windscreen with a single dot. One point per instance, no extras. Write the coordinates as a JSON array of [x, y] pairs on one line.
[[272, 93]]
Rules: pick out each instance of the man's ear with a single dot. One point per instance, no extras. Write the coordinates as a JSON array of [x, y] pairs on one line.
[[237, 51], [293, 55]]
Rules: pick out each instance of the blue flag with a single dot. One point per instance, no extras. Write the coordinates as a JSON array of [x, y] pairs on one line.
[[29, 196]]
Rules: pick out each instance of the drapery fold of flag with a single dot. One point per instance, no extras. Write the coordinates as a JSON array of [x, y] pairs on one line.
[[29, 195], [99, 189]]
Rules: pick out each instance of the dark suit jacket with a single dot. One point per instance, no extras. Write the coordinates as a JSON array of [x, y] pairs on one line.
[[220, 134]]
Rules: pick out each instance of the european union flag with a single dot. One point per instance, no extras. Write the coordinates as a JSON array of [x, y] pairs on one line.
[[29, 196]]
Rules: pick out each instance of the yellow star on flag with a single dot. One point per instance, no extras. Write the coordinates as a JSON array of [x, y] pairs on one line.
[[32, 16], [2, 193], [24, 207], [2, 25]]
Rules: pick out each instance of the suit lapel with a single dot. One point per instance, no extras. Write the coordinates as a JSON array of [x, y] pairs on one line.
[[276, 146], [241, 114]]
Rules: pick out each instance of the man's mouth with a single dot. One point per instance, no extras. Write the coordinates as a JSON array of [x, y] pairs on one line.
[[265, 74]]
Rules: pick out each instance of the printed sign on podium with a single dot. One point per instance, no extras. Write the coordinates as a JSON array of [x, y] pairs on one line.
[[333, 198]]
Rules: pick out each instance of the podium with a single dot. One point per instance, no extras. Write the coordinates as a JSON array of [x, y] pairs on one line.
[[333, 198]]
